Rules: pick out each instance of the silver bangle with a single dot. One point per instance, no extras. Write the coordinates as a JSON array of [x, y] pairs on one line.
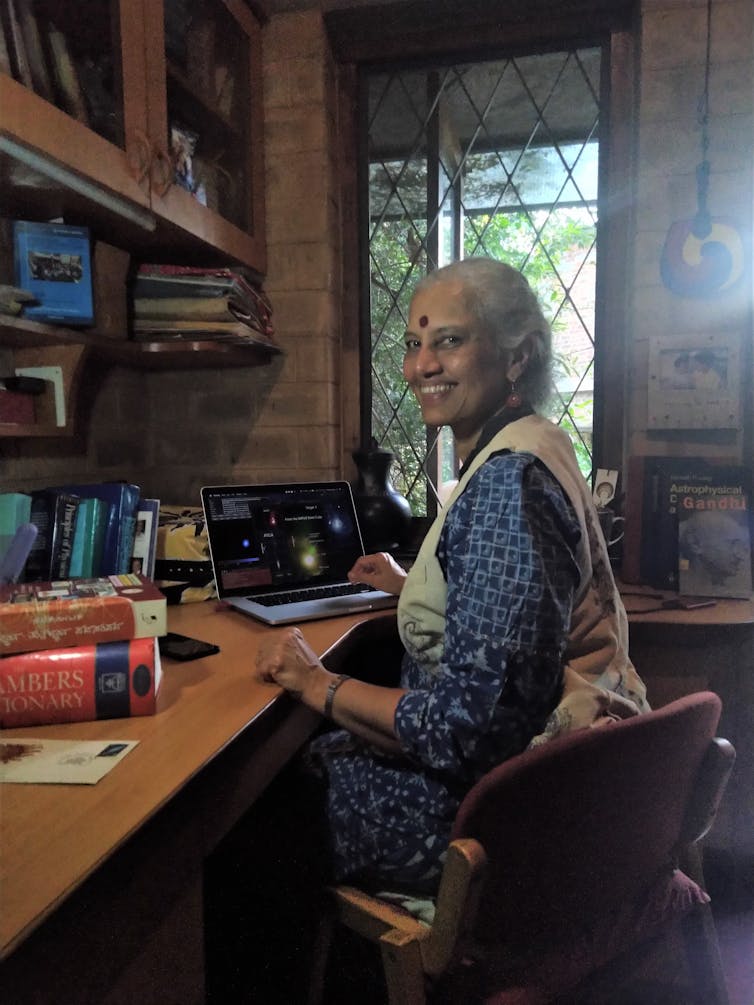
[[331, 689]]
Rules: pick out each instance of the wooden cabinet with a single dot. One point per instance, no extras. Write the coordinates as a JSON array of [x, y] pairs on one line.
[[143, 120]]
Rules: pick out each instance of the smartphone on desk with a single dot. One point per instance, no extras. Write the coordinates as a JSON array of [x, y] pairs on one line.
[[184, 648]]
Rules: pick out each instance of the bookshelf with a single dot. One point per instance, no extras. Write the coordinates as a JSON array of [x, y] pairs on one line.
[[142, 69], [148, 73], [32, 344]]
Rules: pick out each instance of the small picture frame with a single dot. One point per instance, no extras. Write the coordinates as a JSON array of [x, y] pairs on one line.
[[694, 382]]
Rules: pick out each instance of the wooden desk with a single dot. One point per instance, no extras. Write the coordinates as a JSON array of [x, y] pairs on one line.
[[711, 648], [101, 886]]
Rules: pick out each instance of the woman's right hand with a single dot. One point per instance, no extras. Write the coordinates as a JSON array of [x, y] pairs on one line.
[[380, 571]]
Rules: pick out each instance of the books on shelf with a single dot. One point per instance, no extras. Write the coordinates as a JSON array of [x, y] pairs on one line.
[[145, 540], [122, 500], [52, 261], [20, 59], [173, 295], [89, 538], [107, 680], [5, 64], [53, 512], [236, 332], [665, 494], [73, 612], [66, 75], [15, 510], [16, 407], [40, 77]]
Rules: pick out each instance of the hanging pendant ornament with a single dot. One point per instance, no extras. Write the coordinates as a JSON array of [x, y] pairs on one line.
[[703, 256]]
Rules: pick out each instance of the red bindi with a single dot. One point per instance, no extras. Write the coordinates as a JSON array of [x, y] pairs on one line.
[[423, 321]]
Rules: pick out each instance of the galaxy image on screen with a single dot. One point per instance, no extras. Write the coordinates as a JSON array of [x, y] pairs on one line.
[[278, 539]]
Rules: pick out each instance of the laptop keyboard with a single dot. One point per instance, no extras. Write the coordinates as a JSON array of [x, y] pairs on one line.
[[313, 593]]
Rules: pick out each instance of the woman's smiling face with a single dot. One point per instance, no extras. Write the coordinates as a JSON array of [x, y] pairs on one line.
[[455, 371]]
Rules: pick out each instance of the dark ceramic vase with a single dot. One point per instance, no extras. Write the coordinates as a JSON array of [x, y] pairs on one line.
[[384, 515]]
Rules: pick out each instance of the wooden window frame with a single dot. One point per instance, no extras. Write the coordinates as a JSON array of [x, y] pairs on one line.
[[475, 30]]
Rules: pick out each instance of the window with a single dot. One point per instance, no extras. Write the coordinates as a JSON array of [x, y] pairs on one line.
[[500, 157]]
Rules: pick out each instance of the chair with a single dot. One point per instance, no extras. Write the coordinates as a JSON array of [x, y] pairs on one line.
[[562, 876]]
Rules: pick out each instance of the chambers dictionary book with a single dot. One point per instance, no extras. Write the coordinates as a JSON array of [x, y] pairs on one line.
[[106, 680]]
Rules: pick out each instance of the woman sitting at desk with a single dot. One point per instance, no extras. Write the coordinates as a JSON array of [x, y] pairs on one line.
[[509, 608]]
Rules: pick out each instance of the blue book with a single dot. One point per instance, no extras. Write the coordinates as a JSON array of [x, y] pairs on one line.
[[89, 538], [54, 513], [15, 509], [123, 501], [53, 261]]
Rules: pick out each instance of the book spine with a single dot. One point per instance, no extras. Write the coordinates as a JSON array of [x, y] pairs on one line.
[[17, 408], [184, 308], [65, 529], [101, 681], [127, 527], [15, 509], [83, 539], [145, 538], [28, 623], [630, 570]]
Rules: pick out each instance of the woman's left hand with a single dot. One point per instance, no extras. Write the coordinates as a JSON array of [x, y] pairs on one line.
[[287, 659]]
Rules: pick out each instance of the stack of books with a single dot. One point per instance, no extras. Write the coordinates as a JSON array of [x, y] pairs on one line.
[[189, 302], [98, 529], [80, 649]]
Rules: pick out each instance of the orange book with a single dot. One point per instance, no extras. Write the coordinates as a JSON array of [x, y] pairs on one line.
[[109, 680], [74, 612]]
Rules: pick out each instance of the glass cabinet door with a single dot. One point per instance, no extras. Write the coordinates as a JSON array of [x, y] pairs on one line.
[[207, 134], [207, 65], [73, 87], [70, 55]]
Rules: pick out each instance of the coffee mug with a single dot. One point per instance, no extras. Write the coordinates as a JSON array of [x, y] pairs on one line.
[[612, 526]]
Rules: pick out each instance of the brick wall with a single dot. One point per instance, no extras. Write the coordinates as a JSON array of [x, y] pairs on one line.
[[673, 46]]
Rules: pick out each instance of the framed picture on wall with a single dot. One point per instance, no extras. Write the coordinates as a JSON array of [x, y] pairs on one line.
[[694, 382]]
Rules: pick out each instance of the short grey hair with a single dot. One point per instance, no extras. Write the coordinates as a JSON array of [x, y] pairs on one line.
[[507, 310]]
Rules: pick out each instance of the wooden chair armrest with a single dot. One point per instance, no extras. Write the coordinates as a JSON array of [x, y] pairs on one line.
[[457, 900], [372, 917]]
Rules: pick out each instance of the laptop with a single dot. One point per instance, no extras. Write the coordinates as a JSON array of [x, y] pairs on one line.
[[281, 553]]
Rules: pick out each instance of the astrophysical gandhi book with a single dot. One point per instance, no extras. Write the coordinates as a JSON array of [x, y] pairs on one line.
[[673, 488], [714, 537], [106, 680], [74, 612]]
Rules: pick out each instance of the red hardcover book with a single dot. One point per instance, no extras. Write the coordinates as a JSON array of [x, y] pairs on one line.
[[17, 408], [109, 680], [72, 612]]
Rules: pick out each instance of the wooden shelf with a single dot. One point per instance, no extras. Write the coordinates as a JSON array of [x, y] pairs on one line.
[[35, 344], [21, 333], [184, 355]]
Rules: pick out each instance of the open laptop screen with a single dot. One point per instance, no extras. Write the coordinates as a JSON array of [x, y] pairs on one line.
[[265, 538]]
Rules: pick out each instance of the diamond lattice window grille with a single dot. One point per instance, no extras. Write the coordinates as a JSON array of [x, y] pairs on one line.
[[496, 158]]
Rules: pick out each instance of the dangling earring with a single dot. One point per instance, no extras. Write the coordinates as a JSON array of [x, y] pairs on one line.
[[514, 398]]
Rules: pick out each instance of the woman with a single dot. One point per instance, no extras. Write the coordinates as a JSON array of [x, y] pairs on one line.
[[510, 604]]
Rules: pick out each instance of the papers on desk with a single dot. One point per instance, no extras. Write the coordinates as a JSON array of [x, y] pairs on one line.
[[59, 762]]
